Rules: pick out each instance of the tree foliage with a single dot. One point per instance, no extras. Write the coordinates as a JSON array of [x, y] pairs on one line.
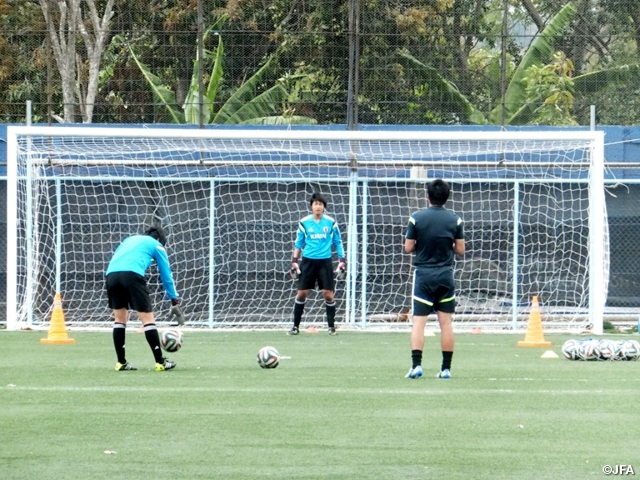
[[247, 104], [536, 93], [552, 86], [23, 59], [419, 62], [79, 69]]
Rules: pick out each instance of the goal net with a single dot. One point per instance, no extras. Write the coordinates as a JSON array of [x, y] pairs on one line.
[[532, 204]]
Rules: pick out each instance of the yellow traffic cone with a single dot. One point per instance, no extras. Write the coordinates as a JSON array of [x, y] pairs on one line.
[[57, 330], [534, 336]]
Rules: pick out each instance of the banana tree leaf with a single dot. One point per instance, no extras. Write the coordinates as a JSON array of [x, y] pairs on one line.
[[161, 93], [448, 90], [244, 94], [523, 115], [191, 102], [216, 73], [595, 81], [260, 106], [282, 120], [539, 52], [191, 106]]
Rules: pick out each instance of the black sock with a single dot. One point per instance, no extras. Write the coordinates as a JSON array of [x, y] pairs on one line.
[[416, 358], [446, 360], [153, 339], [298, 308], [119, 331], [331, 313]]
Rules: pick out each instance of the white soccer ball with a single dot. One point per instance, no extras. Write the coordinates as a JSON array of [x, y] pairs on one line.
[[631, 350], [268, 357], [608, 349], [589, 349], [171, 340], [619, 350], [570, 349]]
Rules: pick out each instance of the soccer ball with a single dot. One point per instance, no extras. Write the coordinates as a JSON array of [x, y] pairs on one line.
[[631, 350], [268, 357], [589, 349], [570, 349], [608, 349], [171, 340], [619, 350]]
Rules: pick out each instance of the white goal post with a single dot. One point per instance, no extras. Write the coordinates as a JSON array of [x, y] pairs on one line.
[[230, 199]]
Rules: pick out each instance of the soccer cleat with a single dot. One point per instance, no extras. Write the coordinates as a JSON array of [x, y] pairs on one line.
[[120, 367], [415, 372], [167, 365], [446, 373], [293, 331], [332, 331]]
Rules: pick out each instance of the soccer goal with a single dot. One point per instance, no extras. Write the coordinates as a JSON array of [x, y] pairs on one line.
[[230, 200]]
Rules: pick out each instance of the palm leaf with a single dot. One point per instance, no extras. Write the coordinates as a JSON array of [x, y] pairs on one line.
[[245, 93], [446, 89], [262, 105], [191, 106], [523, 115], [539, 52], [593, 82], [216, 73], [258, 110], [191, 102], [161, 93]]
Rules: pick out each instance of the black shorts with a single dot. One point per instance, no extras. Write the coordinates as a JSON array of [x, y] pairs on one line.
[[314, 270], [128, 290], [433, 290]]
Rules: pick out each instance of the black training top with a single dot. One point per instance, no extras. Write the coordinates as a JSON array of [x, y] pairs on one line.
[[434, 229]]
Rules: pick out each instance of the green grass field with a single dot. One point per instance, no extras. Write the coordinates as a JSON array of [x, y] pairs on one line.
[[335, 408]]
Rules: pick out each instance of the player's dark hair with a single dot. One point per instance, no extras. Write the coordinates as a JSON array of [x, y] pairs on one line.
[[438, 192], [317, 197], [157, 233]]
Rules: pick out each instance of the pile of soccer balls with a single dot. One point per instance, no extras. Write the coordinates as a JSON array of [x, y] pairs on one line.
[[591, 349]]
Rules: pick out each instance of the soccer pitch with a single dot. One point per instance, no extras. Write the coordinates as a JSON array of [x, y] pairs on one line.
[[335, 408]]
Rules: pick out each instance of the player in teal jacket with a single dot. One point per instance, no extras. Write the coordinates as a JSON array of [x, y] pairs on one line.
[[127, 289], [317, 234]]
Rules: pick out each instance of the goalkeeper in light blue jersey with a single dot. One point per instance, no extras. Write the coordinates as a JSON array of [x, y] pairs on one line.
[[317, 234], [127, 289]]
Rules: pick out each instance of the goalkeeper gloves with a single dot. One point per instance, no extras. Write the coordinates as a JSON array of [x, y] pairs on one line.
[[294, 272], [341, 271], [175, 311]]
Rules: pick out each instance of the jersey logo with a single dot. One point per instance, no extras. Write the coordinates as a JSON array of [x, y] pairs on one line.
[[325, 229]]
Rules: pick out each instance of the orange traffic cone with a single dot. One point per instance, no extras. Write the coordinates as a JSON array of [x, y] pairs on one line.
[[57, 330], [534, 336]]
